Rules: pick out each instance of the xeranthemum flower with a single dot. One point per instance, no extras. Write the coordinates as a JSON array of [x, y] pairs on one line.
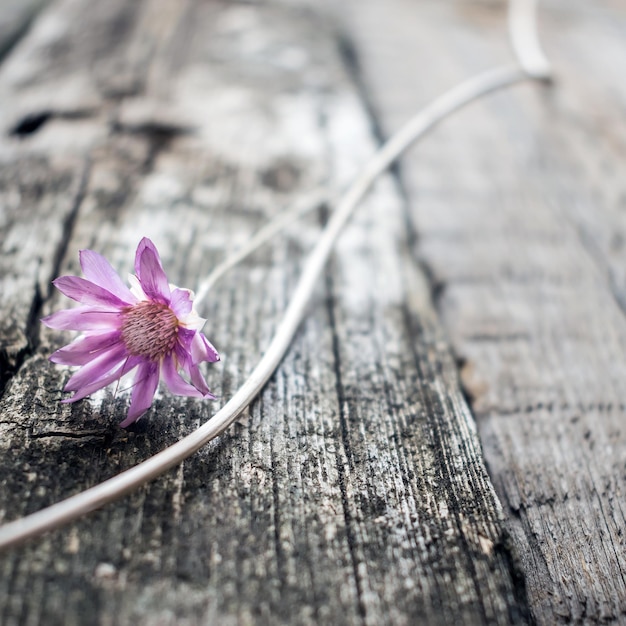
[[152, 327]]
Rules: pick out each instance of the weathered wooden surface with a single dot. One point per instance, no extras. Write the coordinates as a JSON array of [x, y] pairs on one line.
[[354, 490], [519, 206], [16, 18]]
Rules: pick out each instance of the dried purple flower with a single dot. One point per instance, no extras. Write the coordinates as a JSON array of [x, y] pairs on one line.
[[151, 326]]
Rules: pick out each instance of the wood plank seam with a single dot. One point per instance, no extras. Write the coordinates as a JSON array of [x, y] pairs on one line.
[[437, 288]]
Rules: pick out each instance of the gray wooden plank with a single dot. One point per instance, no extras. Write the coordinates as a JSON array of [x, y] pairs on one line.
[[354, 490], [25, 204], [38, 201], [518, 210], [15, 19]]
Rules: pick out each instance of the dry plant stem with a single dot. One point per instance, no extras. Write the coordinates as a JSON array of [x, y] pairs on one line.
[[314, 199], [525, 41], [72, 508]]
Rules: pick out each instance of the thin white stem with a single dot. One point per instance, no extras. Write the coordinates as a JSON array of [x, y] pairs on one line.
[[70, 509], [299, 208], [525, 39]]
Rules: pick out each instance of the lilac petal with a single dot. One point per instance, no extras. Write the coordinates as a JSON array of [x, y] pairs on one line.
[[185, 338], [175, 382], [181, 302], [146, 382], [99, 271], [150, 272], [184, 360], [193, 372], [144, 244], [97, 368], [102, 382], [198, 380], [84, 318], [197, 346], [84, 348], [93, 387], [202, 350], [86, 292]]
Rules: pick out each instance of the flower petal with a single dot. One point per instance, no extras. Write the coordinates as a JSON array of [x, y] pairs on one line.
[[193, 372], [202, 350], [84, 318], [175, 382], [86, 292], [92, 387], [198, 380], [193, 321], [98, 367], [150, 272], [181, 302], [135, 288], [99, 271], [85, 348], [102, 382], [143, 245], [146, 382]]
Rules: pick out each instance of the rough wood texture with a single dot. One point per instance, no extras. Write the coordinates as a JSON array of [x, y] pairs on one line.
[[519, 206], [354, 491], [15, 19]]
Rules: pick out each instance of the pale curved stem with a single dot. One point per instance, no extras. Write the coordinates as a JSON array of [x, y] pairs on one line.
[[525, 39], [300, 207], [72, 508], [522, 17]]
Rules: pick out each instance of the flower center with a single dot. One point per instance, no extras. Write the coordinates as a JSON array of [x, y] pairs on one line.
[[149, 329]]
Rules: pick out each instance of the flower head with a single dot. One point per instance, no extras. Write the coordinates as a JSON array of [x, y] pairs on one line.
[[152, 327]]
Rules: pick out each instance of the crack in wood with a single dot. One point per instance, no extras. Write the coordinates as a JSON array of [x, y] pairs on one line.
[[342, 403], [96, 435], [31, 123], [32, 328], [519, 609]]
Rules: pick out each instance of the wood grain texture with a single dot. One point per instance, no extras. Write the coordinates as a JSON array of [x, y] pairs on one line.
[[353, 491], [15, 20], [519, 204]]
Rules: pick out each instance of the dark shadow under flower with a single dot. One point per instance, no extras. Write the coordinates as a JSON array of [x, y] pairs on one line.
[[152, 327]]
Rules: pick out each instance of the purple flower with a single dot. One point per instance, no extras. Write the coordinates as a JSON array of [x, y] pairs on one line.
[[151, 326]]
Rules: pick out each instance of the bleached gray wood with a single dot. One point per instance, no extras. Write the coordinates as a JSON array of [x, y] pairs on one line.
[[354, 490], [23, 278], [16, 17], [518, 211], [39, 197]]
